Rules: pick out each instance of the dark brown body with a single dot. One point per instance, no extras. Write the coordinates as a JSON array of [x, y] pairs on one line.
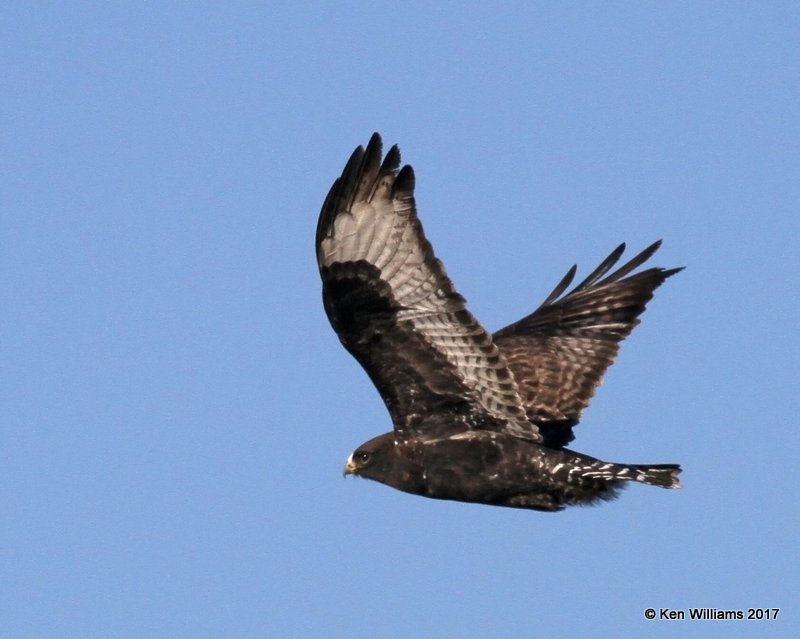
[[499, 469]]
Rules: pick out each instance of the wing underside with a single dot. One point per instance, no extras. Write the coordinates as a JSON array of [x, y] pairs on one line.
[[437, 369], [560, 352], [396, 311]]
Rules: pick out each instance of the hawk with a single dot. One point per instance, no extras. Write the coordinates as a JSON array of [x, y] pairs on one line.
[[476, 417]]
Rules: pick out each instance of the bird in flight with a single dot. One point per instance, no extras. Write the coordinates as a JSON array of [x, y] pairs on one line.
[[476, 417]]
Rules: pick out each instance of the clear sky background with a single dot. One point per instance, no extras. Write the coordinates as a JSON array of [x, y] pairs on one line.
[[176, 410]]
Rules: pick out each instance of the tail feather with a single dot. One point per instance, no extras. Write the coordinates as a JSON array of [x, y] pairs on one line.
[[664, 475]]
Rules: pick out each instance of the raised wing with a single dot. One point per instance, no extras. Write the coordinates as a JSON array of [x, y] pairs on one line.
[[396, 311], [560, 352]]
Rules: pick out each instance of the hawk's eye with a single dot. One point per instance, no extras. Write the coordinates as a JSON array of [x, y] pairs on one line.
[[362, 457]]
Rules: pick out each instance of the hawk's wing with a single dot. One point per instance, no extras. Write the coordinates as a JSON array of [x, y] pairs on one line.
[[560, 352], [396, 311]]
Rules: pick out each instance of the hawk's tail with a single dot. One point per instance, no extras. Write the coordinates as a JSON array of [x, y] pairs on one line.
[[664, 475]]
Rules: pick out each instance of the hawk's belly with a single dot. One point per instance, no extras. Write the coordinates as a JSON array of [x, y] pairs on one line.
[[486, 467]]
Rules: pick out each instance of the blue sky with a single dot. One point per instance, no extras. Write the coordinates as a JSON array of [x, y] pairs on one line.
[[176, 410]]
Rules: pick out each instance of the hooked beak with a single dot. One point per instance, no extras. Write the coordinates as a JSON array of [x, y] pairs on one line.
[[349, 467]]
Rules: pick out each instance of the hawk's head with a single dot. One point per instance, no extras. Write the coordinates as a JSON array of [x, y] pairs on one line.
[[373, 459], [393, 464]]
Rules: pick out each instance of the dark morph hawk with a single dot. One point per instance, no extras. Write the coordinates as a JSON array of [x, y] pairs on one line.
[[476, 417]]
